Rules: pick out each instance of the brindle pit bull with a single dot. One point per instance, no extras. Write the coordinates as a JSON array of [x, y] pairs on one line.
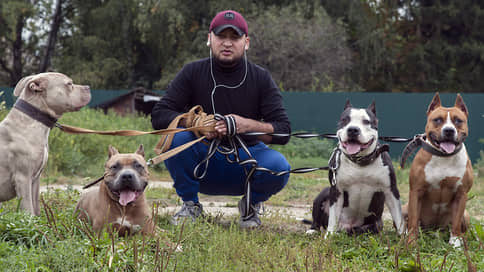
[[119, 201], [24, 133], [441, 173]]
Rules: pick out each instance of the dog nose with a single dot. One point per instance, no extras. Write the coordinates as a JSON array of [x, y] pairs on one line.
[[353, 131], [448, 132], [127, 178]]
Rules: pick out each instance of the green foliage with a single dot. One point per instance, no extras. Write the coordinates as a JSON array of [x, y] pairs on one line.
[[3, 108], [85, 155], [306, 148]]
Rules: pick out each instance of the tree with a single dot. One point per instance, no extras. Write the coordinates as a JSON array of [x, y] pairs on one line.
[[22, 35], [13, 20], [302, 47], [445, 46], [57, 19]]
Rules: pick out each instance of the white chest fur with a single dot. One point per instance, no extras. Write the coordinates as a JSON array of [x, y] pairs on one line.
[[360, 183], [439, 168], [350, 174]]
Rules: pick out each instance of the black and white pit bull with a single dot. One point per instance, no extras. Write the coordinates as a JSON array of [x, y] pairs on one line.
[[362, 179]]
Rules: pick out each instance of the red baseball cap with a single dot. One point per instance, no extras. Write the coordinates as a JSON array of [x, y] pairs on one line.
[[229, 18]]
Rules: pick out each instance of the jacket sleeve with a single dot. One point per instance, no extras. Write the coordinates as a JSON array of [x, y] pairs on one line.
[[174, 102], [272, 109]]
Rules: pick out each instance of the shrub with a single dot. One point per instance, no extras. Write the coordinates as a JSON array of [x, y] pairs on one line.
[[306, 148], [84, 155]]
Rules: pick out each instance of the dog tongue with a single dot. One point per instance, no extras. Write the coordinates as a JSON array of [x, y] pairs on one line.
[[126, 197], [352, 148], [448, 147]]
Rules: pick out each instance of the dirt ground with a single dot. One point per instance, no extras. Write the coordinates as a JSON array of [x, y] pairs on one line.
[[215, 205], [220, 206]]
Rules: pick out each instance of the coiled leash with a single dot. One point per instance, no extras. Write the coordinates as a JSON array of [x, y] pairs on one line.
[[231, 152]]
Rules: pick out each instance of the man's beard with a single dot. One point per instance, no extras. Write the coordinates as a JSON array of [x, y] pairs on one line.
[[228, 63]]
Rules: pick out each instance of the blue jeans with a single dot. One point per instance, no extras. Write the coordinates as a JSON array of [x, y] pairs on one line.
[[223, 177]]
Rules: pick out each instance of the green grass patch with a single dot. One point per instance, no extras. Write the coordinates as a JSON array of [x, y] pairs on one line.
[[56, 241]]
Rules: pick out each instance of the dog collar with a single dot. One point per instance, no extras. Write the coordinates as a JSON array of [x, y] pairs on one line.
[[35, 113], [366, 160], [420, 141], [437, 152]]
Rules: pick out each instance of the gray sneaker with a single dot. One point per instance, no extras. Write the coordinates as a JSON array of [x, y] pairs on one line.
[[252, 219], [189, 209]]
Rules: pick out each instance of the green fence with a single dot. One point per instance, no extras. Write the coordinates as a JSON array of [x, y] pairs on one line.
[[400, 114]]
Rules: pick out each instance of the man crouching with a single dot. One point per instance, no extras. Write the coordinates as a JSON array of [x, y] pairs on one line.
[[119, 201]]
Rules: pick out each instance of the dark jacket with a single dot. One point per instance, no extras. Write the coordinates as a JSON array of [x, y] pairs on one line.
[[257, 98]]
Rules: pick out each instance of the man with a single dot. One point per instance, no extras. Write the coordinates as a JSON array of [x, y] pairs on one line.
[[227, 84]]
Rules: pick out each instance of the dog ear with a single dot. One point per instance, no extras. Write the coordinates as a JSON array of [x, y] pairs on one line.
[[348, 104], [459, 103], [112, 151], [21, 84], [140, 151], [434, 104], [372, 107], [34, 83]]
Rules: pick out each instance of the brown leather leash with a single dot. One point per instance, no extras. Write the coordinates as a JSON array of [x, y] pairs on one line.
[[196, 121]]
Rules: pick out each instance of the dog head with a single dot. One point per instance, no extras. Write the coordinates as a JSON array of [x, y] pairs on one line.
[[358, 130], [126, 175], [446, 128], [53, 93]]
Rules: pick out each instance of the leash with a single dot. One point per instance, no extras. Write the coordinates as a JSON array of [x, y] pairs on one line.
[[305, 135], [196, 121]]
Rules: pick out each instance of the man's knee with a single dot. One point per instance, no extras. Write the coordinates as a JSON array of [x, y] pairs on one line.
[[275, 162]]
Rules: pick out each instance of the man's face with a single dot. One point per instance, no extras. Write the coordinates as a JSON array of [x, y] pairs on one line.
[[228, 47]]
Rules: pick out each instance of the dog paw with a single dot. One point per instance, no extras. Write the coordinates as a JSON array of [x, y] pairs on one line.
[[455, 241], [328, 234], [311, 231]]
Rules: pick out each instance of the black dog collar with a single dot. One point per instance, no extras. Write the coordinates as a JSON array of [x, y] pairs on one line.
[[35, 113], [420, 141], [366, 160]]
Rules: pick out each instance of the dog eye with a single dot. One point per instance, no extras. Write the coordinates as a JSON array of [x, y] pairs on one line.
[[138, 165], [438, 121], [114, 166], [458, 121], [366, 122]]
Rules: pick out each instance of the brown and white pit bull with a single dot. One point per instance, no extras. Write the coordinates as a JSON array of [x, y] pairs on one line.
[[119, 201], [24, 133], [441, 173]]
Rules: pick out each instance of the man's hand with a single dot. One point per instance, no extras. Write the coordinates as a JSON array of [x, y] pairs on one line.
[[243, 125]]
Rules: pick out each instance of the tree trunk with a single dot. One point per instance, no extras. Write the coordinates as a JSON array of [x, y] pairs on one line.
[[54, 29], [16, 74]]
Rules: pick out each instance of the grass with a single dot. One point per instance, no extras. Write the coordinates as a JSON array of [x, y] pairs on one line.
[[56, 241]]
